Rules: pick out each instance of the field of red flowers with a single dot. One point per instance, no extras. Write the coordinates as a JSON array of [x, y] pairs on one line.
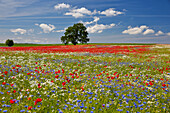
[[83, 48]]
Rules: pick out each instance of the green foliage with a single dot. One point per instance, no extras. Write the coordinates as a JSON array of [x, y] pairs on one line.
[[74, 34], [9, 42]]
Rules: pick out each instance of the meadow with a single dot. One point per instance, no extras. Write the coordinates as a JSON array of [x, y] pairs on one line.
[[94, 78]]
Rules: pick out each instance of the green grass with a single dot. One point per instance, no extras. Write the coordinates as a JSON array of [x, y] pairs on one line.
[[31, 44]]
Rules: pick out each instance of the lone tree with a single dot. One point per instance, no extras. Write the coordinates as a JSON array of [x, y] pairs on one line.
[[9, 42], [74, 34]]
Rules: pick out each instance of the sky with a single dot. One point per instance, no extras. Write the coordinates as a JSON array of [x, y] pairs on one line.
[[107, 21]]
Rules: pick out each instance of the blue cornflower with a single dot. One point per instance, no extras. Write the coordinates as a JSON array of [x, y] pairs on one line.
[[22, 110], [140, 105], [78, 100], [74, 106], [91, 111], [79, 110], [93, 108], [135, 105], [8, 105], [5, 111], [81, 107], [26, 106], [141, 108], [119, 109]]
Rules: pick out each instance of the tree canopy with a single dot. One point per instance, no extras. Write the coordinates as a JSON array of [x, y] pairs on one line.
[[74, 34], [9, 42]]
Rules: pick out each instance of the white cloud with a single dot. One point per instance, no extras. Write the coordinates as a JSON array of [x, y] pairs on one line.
[[98, 28], [19, 30], [37, 24], [47, 28], [82, 10], [77, 13], [30, 31], [36, 41], [96, 19], [148, 31], [168, 33], [61, 6], [18, 38], [59, 31], [111, 12], [135, 30], [159, 33]]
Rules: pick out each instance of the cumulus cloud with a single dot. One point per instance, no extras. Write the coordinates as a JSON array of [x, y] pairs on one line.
[[19, 30], [96, 19], [135, 30], [74, 14], [148, 31], [77, 13], [111, 12], [61, 6], [168, 33], [46, 28], [98, 28], [159, 33]]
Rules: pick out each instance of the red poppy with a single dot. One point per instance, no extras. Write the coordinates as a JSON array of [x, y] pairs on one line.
[[163, 85], [12, 101], [3, 83], [14, 91], [68, 80], [64, 83], [30, 107], [117, 76], [37, 100], [6, 72], [150, 83], [56, 76]]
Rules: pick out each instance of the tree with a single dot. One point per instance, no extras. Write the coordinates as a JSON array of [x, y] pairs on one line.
[[74, 34], [9, 42]]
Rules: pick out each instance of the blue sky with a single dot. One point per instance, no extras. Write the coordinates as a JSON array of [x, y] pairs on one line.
[[107, 21]]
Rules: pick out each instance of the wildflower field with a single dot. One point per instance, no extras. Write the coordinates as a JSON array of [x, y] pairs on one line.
[[85, 78]]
